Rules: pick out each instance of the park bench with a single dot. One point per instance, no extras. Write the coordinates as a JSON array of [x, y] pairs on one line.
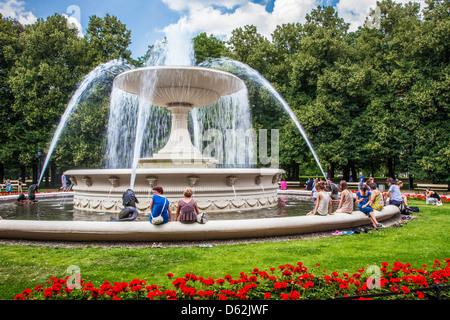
[[292, 183], [352, 185], [14, 184], [434, 187]]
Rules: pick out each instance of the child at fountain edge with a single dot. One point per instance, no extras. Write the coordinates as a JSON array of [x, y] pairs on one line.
[[159, 205], [187, 210], [323, 203]]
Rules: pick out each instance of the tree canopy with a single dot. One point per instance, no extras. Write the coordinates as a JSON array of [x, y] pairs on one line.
[[375, 99]]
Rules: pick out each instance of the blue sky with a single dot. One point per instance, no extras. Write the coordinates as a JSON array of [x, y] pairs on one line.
[[147, 19]]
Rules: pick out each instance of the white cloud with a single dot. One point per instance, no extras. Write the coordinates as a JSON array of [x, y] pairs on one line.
[[209, 15], [355, 11], [15, 9], [220, 17]]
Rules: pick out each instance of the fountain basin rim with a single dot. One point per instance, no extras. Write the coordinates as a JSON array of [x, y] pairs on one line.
[[175, 171], [176, 231], [204, 85]]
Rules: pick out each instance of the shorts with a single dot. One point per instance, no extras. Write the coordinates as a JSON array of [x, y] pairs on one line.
[[367, 210], [395, 202]]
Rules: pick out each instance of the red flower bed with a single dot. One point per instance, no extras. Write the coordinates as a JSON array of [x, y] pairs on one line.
[[288, 282]]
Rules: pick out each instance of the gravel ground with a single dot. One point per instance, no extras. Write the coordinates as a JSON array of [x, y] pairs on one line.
[[397, 219]]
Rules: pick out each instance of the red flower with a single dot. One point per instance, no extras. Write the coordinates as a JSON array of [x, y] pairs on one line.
[[287, 273], [26, 292], [294, 295], [267, 295], [170, 275], [308, 284], [284, 296]]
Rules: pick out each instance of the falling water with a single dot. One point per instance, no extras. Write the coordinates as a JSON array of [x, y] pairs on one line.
[[234, 190], [227, 122], [144, 111], [102, 75], [221, 63], [230, 115], [124, 111]]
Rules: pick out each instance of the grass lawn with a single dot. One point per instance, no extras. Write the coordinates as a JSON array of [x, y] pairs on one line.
[[421, 241]]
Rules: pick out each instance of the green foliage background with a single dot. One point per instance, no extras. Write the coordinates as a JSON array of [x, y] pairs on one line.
[[375, 99]]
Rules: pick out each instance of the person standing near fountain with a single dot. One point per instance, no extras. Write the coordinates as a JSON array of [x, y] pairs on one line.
[[64, 182], [159, 207], [187, 211]]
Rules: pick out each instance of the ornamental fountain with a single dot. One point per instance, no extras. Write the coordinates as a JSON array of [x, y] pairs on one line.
[[179, 164], [182, 89]]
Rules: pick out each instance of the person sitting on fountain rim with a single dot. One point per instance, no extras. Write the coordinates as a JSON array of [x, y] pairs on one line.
[[346, 202], [323, 203], [159, 206], [187, 211], [364, 200], [394, 194], [334, 188], [376, 197]]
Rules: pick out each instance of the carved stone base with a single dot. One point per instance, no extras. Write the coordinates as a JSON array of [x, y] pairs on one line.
[[214, 189]]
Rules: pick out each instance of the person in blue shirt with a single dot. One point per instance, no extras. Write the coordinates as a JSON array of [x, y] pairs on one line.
[[8, 186], [361, 180], [394, 194], [160, 205], [364, 200]]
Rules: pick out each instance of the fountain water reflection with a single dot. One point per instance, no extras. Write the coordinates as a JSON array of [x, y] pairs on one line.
[[57, 210]]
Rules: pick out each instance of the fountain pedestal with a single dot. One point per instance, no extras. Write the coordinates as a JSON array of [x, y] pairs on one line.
[[179, 150]]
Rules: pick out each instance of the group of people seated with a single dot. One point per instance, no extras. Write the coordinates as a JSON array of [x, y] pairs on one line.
[[187, 209], [368, 198]]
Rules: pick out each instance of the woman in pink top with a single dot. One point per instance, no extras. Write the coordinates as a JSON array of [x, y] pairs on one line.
[[187, 211], [346, 203]]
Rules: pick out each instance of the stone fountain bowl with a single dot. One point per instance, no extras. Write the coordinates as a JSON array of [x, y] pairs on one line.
[[166, 85]]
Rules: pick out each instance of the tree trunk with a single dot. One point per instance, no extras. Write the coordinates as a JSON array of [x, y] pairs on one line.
[[346, 173], [390, 165], [52, 175], [330, 172], [23, 173], [353, 170], [34, 167]]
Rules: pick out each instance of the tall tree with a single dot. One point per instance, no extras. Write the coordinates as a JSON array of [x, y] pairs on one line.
[[208, 47], [108, 38], [42, 80], [10, 49]]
